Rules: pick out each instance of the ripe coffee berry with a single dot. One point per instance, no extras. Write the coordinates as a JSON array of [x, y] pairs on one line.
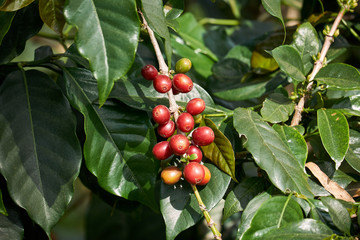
[[179, 144], [166, 130], [162, 150], [149, 72], [203, 136], [195, 150], [161, 114], [183, 65], [171, 175], [162, 83], [195, 106], [207, 176], [182, 83], [185, 122], [194, 173]]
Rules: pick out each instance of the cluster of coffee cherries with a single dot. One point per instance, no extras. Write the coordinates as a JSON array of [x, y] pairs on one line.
[[181, 137]]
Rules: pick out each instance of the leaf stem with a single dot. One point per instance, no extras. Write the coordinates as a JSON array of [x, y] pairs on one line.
[[329, 39], [210, 222], [216, 21]]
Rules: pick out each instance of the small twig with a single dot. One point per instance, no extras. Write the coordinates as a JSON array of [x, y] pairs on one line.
[[329, 39]]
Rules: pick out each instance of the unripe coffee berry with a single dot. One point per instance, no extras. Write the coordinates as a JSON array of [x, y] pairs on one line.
[[161, 114], [162, 150], [166, 130], [162, 83], [182, 83], [179, 144], [195, 106], [203, 136], [171, 175], [149, 72], [185, 122], [183, 65], [194, 173], [195, 150], [207, 176]]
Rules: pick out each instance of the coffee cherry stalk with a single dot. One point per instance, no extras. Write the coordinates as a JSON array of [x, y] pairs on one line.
[[177, 127]]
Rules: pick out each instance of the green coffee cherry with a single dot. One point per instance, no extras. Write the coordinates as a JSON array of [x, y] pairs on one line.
[[183, 65]]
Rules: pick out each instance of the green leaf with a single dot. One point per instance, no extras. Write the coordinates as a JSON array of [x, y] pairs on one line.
[[334, 133], [270, 152], [193, 34], [119, 140], [274, 213], [295, 141], [11, 226], [249, 212], [220, 152], [339, 214], [179, 206], [51, 12], [241, 195], [241, 53], [352, 155], [154, 14], [6, 19], [107, 36], [306, 229], [290, 62], [39, 150], [340, 76], [14, 5], [173, 9], [277, 108], [254, 89], [14, 41], [2, 206], [273, 7], [307, 43]]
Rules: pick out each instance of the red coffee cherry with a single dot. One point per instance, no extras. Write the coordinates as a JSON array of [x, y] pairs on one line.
[[203, 136], [162, 150], [161, 114], [182, 83], [179, 144], [195, 150], [162, 83], [185, 122], [194, 173], [207, 176], [195, 106], [171, 175], [149, 72], [166, 130]]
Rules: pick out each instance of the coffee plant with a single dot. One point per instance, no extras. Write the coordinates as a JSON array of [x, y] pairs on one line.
[[180, 125]]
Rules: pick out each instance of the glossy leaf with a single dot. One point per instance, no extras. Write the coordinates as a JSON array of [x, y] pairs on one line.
[[306, 42], [173, 9], [14, 41], [270, 152], [352, 155], [290, 62], [119, 141], [249, 213], [277, 108], [340, 76], [107, 36], [274, 213], [339, 214], [295, 142], [51, 12], [334, 133], [241, 195], [11, 226], [220, 152], [6, 19], [306, 229], [14, 5], [179, 206], [154, 13], [40, 153], [273, 7]]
